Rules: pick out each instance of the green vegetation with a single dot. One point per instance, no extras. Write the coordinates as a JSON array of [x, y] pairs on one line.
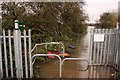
[[108, 20], [56, 21]]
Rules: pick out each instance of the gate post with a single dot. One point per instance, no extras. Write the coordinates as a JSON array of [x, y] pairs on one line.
[[17, 50]]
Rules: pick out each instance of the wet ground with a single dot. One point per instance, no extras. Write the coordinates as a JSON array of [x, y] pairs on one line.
[[71, 69]]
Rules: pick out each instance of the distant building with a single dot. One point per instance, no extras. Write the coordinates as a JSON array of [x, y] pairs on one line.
[[92, 23]]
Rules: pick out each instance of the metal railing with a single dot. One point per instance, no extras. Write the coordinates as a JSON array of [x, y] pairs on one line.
[[60, 60], [50, 43], [63, 47], [78, 59]]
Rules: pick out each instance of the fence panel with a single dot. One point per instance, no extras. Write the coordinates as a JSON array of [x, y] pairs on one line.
[[102, 52], [13, 55], [106, 52]]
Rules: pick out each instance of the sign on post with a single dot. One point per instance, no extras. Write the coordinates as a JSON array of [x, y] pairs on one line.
[[19, 25], [99, 37]]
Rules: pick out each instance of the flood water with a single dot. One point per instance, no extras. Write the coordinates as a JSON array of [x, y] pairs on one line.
[[71, 69]]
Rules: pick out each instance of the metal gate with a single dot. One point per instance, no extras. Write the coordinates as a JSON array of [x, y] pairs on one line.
[[104, 47], [16, 58]]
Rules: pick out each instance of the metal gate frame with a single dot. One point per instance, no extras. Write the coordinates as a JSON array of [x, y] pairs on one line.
[[60, 60], [31, 59]]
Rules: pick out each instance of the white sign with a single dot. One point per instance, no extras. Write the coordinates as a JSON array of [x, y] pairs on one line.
[[99, 37]]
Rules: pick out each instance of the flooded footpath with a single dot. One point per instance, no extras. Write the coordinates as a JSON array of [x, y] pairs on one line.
[[71, 69]]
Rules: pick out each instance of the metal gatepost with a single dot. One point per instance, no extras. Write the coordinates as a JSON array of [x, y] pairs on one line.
[[18, 55]]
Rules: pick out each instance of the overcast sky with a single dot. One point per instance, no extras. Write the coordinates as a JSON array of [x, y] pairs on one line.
[[96, 7]]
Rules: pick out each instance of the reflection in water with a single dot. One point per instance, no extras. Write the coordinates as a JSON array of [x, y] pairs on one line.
[[71, 69], [101, 72]]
